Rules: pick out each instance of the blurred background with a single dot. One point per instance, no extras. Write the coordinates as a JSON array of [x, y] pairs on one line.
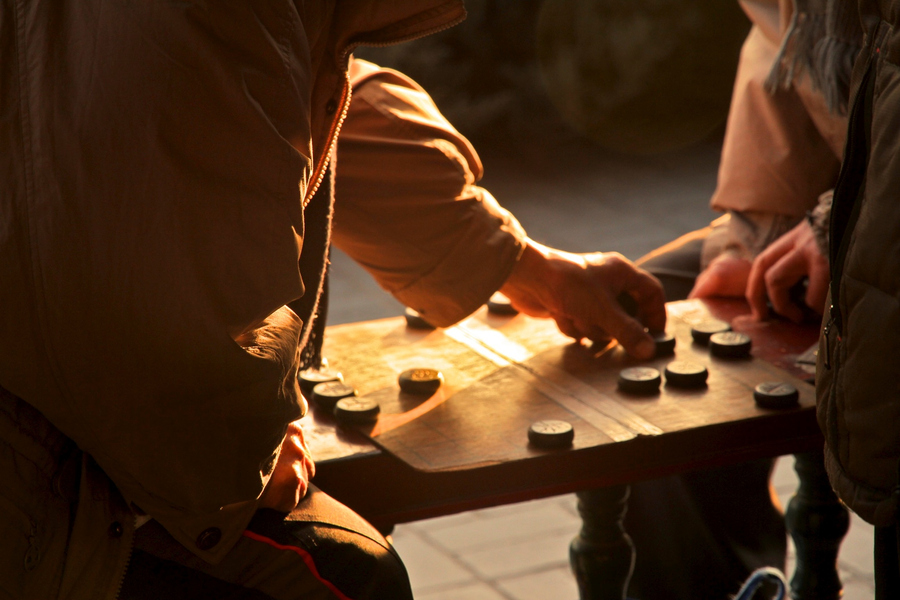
[[633, 77]]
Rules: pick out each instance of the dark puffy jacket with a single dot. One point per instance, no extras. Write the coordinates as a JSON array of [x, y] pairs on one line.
[[859, 357]]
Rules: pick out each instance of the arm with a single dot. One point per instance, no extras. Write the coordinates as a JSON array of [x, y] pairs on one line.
[[408, 207], [409, 210], [781, 151]]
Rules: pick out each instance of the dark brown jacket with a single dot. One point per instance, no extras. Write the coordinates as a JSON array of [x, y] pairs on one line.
[[157, 163], [858, 377]]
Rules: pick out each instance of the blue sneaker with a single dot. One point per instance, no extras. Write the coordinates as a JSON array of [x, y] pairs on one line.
[[757, 578]]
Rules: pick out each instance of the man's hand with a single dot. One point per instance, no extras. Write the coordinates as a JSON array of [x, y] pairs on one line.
[[786, 261], [294, 468], [726, 276], [579, 291]]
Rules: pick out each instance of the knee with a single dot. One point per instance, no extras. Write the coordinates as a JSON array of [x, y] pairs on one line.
[[362, 566]]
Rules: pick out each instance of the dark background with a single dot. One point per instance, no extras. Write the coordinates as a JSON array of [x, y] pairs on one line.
[[631, 76]]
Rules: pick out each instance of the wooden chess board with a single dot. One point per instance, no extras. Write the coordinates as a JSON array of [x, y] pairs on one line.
[[502, 373]]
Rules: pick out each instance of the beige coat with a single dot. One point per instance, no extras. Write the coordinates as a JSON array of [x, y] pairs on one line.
[[151, 221], [407, 205], [781, 150]]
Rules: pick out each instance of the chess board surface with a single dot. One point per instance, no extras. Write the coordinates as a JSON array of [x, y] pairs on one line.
[[503, 373]]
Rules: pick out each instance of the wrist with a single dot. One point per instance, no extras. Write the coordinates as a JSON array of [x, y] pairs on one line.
[[529, 267], [531, 279]]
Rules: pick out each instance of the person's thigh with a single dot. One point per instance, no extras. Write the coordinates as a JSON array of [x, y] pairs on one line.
[[321, 550]]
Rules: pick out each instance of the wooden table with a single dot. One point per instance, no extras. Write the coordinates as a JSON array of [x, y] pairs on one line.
[[466, 446]]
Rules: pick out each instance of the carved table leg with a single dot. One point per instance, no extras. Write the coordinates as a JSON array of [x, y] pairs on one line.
[[818, 523], [602, 555]]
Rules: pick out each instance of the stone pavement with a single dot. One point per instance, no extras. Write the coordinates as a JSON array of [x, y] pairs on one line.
[[580, 200], [520, 552]]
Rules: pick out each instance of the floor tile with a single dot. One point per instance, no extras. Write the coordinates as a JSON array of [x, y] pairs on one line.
[[859, 590], [428, 567], [478, 591], [447, 522], [784, 478], [536, 553], [497, 527], [354, 295], [857, 549], [555, 584]]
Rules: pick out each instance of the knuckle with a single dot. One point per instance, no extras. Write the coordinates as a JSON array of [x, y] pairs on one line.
[[772, 278], [618, 263]]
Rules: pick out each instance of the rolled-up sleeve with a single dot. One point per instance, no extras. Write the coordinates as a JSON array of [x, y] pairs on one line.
[[408, 207]]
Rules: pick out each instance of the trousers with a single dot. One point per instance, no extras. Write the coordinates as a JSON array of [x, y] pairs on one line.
[[321, 550]]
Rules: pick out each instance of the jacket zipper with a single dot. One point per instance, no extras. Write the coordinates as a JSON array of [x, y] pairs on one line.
[[852, 172], [332, 140], [826, 331], [346, 93], [121, 581]]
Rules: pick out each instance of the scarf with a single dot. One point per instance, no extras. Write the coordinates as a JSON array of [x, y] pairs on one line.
[[822, 40]]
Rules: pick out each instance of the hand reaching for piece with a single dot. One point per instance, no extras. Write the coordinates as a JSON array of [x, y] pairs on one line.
[[579, 292], [779, 267], [289, 481]]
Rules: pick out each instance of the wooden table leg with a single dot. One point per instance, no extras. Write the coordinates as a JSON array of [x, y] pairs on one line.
[[602, 555], [818, 523]]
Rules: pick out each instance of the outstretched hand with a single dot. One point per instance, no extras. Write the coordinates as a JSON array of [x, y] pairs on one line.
[[289, 481], [579, 292]]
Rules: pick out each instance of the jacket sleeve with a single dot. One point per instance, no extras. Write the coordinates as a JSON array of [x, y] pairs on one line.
[[782, 148], [407, 207]]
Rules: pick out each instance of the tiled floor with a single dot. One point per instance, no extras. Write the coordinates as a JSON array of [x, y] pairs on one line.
[[520, 552], [581, 201]]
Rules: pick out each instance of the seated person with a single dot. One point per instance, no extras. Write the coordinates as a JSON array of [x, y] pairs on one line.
[[165, 221]]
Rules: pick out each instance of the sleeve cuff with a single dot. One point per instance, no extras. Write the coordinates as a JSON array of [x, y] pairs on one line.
[[744, 234], [476, 267]]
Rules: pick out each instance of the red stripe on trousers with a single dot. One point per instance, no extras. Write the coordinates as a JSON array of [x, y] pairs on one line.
[[303, 554]]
